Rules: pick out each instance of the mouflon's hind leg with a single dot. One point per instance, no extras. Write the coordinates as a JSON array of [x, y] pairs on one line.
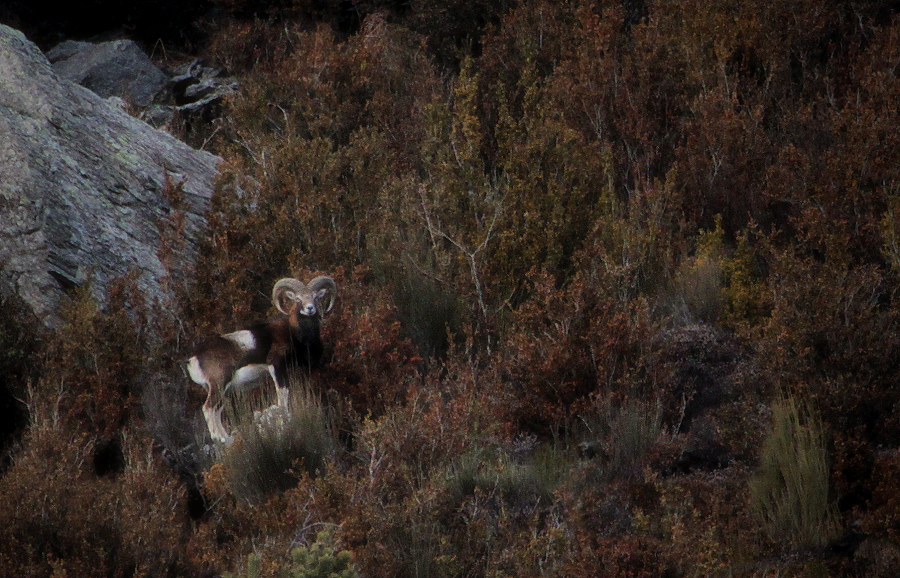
[[212, 407], [212, 411]]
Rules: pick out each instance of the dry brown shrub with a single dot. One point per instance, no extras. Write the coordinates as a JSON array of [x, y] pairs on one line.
[[96, 360], [371, 362], [566, 344], [61, 518]]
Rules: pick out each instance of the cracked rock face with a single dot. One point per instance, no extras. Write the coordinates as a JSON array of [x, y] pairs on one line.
[[82, 186]]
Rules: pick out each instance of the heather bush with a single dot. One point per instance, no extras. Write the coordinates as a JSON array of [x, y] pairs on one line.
[[411, 507], [87, 494], [372, 363], [95, 363], [566, 344], [61, 517], [829, 332]]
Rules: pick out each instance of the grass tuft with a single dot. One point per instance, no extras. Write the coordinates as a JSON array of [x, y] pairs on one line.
[[698, 287], [790, 493], [277, 445], [621, 436]]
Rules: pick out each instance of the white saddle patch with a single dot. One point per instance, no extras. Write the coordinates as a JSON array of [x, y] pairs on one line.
[[247, 375], [244, 339]]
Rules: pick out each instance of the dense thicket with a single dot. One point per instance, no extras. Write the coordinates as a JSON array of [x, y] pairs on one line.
[[604, 269]]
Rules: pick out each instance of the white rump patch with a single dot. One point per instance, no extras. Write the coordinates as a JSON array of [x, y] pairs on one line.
[[244, 339], [196, 373]]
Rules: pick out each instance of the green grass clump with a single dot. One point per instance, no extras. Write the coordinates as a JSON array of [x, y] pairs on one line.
[[790, 493], [515, 482], [634, 430], [275, 446], [621, 436], [699, 288]]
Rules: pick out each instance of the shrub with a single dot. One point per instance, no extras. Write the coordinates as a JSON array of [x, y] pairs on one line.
[[696, 369], [321, 559], [372, 363], [746, 301], [790, 493], [834, 330], [61, 518], [621, 435], [520, 483], [524, 218], [252, 571], [698, 285], [19, 345], [699, 280], [634, 428], [428, 313], [275, 446], [96, 360], [566, 344]]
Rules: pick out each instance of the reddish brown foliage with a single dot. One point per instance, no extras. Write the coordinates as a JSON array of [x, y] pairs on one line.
[[545, 220]]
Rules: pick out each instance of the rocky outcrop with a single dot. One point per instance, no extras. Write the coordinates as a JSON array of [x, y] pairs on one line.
[[117, 68], [192, 91], [82, 186]]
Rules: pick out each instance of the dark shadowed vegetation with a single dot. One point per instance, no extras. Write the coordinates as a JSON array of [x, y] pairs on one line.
[[619, 297]]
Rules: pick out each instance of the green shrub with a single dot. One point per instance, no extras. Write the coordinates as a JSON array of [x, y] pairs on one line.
[[253, 563], [790, 493], [319, 560], [744, 295]]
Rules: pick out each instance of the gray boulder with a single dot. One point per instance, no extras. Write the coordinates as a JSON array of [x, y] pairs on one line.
[[82, 187], [115, 68]]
